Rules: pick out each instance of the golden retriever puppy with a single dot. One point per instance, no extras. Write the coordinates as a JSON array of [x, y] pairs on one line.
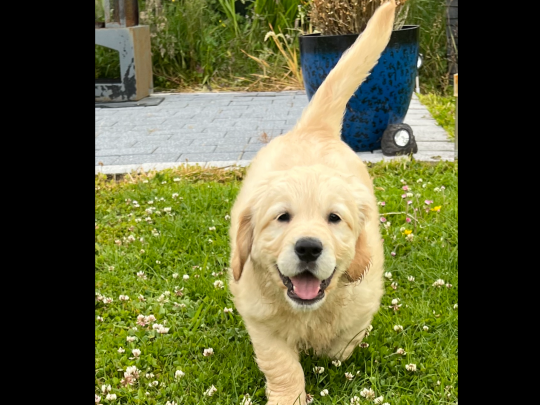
[[306, 251]]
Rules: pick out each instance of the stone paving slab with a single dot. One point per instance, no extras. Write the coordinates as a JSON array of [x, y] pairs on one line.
[[223, 129]]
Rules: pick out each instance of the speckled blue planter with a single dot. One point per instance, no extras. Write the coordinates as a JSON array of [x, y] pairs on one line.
[[382, 99]]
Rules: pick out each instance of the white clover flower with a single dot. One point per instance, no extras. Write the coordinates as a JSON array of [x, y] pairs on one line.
[[149, 375], [107, 300], [394, 285], [363, 345], [410, 278], [401, 351], [133, 371], [336, 363], [419, 181], [398, 328], [105, 388], [175, 275], [210, 241], [99, 318], [368, 393], [388, 275], [246, 400], [212, 228], [355, 400], [176, 179], [410, 367], [227, 217], [179, 374], [410, 195], [208, 352], [185, 277], [141, 320], [111, 268], [97, 397], [438, 283], [218, 284], [402, 229], [162, 299], [324, 392], [378, 400], [175, 195], [228, 310], [349, 376], [426, 328], [121, 350], [141, 298], [455, 306], [136, 352], [318, 370], [110, 397], [437, 189], [448, 285], [410, 237], [167, 209], [170, 403], [210, 391]]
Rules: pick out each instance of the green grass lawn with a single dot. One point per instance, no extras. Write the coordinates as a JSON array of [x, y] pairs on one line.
[[161, 250]]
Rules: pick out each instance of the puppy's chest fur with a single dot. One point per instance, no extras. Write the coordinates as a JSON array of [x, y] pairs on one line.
[[315, 330]]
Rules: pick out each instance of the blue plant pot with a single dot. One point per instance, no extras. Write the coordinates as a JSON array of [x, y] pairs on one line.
[[384, 97]]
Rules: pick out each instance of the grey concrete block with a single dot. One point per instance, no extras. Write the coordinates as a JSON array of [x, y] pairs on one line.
[[221, 141], [262, 140], [249, 155], [136, 121], [175, 143], [198, 135], [105, 123], [186, 149], [105, 160], [115, 144], [253, 147], [206, 157], [133, 138], [146, 150], [153, 158], [442, 146]]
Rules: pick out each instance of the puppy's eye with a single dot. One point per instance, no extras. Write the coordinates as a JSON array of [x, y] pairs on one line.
[[286, 217], [333, 218]]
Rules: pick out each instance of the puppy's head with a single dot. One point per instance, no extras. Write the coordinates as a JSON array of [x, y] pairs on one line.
[[304, 230]]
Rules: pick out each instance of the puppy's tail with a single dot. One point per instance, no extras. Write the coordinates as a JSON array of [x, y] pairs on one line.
[[324, 114]]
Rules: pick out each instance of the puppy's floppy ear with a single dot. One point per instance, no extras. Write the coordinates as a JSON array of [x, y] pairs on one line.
[[244, 240], [361, 260], [362, 255]]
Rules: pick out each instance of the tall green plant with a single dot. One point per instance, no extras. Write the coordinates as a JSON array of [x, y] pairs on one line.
[[430, 16]]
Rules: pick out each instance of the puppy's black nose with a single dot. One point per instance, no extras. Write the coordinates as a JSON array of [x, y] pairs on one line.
[[308, 249]]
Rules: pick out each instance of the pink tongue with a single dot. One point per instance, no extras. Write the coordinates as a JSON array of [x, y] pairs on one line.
[[306, 286]]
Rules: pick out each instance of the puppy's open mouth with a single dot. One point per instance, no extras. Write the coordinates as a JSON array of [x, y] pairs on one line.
[[305, 288]]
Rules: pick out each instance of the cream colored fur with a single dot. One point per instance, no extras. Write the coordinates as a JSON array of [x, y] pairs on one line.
[[310, 173]]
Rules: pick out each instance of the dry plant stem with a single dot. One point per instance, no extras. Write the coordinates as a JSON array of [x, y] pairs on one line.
[[339, 17]]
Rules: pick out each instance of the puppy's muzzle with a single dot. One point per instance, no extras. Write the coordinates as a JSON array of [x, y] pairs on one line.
[[308, 249], [306, 288]]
